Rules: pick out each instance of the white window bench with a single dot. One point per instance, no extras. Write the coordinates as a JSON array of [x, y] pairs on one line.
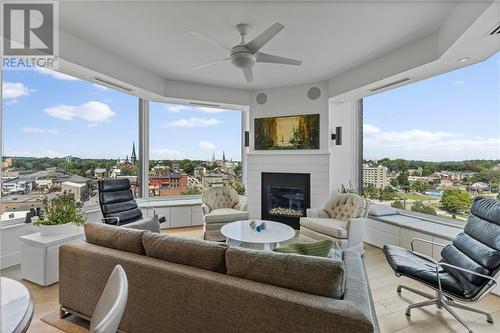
[[400, 229]]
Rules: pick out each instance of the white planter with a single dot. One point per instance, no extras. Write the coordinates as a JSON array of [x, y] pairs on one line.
[[57, 229]]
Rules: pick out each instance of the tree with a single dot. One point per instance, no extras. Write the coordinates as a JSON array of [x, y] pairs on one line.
[[239, 188], [456, 201], [191, 191], [398, 204], [419, 207], [403, 179], [420, 187], [370, 191], [387, 194]]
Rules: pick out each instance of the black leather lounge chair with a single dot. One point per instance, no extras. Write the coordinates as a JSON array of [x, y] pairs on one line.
[[467, 270], [119, 207]]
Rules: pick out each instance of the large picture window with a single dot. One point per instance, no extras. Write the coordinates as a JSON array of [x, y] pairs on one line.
[[193, 148], [62, 134], [432, 146]]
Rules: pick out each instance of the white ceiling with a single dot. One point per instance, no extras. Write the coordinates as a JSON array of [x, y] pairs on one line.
[[331, 38]]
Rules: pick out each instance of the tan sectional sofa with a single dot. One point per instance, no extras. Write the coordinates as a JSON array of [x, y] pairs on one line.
[[185, 285]]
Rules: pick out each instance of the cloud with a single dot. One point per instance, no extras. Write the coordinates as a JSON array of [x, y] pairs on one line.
[[165, 154], [206, 145], [98, 86], [56, 75], [92, 112], [37, 130], [14, 90], [370, 129], [193, 122], [427, 141], [458, 82], [174, 108]]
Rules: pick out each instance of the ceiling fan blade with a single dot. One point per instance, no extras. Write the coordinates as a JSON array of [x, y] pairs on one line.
[[264, 57], [210, 40], [258, 42], [211, 63], [248, 74]]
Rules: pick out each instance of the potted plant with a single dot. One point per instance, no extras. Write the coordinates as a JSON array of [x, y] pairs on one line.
[[60, 215]]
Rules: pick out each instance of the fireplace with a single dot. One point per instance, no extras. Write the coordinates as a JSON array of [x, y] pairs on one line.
[[285, 197]]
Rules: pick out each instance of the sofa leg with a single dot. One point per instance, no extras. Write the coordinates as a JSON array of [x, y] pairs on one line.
[[63, 313]]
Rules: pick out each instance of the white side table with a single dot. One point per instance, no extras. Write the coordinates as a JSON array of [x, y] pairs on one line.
[[40, 256]]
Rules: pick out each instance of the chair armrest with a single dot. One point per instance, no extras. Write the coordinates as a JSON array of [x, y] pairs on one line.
[[103, 220], [161, 219], [241, 206], [316, 212], [355, 231], [493, 282], [205, 209], [425, 241]]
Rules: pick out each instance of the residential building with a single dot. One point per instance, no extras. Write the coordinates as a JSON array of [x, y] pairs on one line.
[[79, 190], [376, 176], [171, 184]]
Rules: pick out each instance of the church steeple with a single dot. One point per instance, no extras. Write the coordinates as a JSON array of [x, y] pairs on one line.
[[133, 157]]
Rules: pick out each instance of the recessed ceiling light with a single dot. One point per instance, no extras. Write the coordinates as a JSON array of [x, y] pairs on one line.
[[343, 100], [464, 59]]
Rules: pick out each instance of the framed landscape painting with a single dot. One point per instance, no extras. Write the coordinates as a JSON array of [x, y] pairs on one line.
[[289, 132]]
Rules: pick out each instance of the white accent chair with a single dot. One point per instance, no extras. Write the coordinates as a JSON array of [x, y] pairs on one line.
[[109, 309], [221, 205], [341, 219]]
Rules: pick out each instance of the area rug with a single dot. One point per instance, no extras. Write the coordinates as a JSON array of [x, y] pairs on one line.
[[70, 324]]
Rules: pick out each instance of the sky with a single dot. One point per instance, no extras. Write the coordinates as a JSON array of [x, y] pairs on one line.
[[451, 117], [49, 114]]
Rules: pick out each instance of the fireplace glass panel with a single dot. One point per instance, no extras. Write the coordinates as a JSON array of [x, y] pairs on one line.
[[285, 200]]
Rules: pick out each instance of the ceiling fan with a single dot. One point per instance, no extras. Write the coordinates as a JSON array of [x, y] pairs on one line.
[[245, 55]]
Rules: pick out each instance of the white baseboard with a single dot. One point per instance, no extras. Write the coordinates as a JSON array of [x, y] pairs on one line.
[[10, 259]]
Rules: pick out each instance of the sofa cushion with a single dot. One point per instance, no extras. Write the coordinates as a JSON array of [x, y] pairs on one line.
[[191, 252], [119, 238], [225, 215], [382, 210], [317, 249], [313, 275], [327, 226]]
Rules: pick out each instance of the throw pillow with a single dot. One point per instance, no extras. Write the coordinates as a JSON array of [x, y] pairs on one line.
[[317, 249]]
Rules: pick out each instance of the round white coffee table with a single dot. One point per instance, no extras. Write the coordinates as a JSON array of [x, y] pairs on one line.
[[240, 232]]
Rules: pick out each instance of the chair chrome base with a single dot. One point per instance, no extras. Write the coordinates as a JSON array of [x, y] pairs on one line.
[[441, 301]]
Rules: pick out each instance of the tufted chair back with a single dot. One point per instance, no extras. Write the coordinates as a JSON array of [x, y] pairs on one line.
[[220, 197], [346, 206]]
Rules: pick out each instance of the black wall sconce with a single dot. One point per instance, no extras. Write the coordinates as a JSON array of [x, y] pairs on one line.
[[247, 139], [337, 136]]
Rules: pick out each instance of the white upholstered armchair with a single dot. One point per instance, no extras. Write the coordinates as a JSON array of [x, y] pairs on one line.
[[221, 205], [341, 219]]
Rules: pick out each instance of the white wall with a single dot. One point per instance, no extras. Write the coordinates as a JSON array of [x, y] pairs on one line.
[[345, 159], [282, 102]]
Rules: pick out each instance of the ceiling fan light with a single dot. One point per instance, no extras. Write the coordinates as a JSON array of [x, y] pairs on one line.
[[243, 60]]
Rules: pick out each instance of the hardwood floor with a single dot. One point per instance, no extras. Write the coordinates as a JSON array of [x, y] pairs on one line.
[[389, 305]]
